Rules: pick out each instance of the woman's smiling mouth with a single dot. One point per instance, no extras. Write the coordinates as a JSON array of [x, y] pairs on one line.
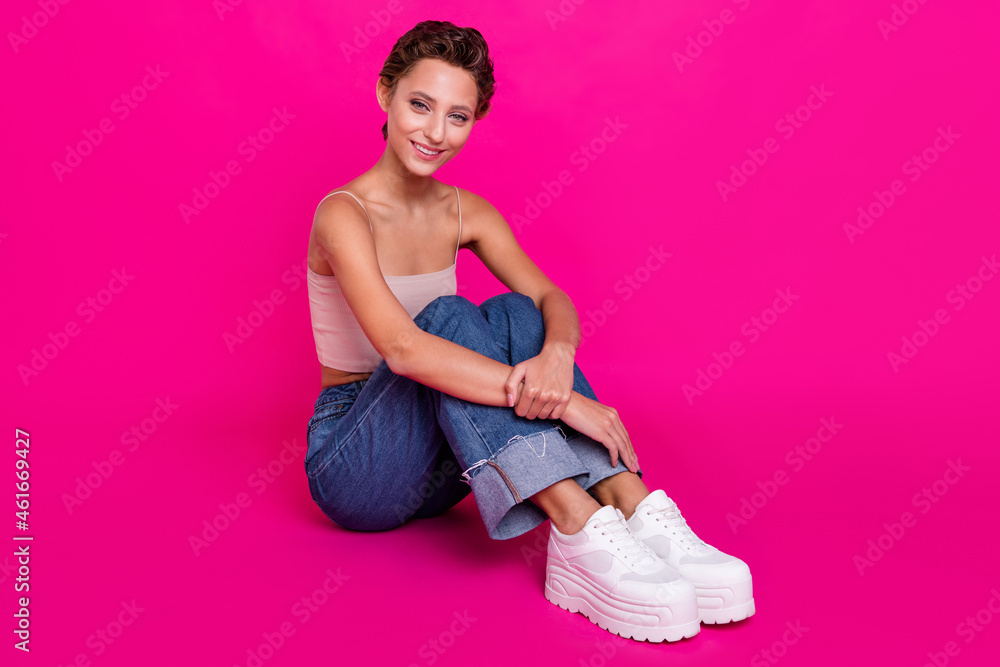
[[425, 152]]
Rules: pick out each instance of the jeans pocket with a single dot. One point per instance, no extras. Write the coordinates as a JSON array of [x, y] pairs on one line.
[[330, 411], [332, 404]]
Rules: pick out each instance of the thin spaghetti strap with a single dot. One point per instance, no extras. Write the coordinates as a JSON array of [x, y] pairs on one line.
[[457, 245], [359, 202]]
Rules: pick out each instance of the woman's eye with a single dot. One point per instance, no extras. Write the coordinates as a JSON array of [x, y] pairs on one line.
[[421, 105]]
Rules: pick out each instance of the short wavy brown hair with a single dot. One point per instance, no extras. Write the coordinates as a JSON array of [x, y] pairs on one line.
[[445, 41]]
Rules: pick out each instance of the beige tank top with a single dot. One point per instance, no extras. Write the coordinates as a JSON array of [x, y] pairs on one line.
[[340, 341]]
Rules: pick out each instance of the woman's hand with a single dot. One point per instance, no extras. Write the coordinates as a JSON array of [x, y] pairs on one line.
[[548, 383], [601, 422]]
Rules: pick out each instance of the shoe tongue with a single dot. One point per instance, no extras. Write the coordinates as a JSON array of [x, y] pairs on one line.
[[606, 513], [657, 500], [610, 513]]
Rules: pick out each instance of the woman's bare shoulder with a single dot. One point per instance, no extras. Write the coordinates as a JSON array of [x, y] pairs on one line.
[[338, 221], [354, 187], [476, 209], [480, 216], [471, 199]]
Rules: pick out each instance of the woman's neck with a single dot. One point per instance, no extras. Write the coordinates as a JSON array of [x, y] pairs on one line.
[[401, 186]]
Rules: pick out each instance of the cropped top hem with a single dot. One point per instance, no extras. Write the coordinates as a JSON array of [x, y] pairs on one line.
[[417, 277]]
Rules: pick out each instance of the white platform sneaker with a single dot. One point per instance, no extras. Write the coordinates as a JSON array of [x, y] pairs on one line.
[[615, 581], [722, 582]]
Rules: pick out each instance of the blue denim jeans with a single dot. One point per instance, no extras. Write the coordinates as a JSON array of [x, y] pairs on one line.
[[386, 449]]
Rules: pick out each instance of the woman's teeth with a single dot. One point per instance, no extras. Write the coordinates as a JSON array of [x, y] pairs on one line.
[[424, 150]]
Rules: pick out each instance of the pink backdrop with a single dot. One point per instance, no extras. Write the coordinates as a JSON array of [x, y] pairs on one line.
[[776, 220]]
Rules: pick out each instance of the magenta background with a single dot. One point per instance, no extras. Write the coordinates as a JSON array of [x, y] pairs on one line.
[[654, 185]]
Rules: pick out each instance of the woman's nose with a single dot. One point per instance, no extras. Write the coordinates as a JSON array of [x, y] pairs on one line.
[[434, 131]]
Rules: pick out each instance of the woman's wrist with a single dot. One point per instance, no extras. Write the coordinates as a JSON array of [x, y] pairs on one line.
[[574, 402], [559, 347]]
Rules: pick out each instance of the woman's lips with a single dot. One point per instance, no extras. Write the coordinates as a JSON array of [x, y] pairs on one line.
[[425, 155]]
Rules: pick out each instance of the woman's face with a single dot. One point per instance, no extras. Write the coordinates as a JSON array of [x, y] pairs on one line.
[[433, 109]]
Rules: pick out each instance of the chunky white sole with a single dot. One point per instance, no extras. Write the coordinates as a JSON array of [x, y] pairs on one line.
[[725, 604], [626, 618]]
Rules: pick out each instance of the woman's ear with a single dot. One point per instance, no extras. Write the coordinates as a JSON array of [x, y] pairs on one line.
[[382, 93]]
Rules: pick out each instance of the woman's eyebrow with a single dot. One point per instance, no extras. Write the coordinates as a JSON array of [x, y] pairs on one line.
[[462, 107]]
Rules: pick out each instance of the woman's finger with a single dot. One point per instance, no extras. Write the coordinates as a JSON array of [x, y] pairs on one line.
[[628, 454], [511, 385], [535, 407], [628, 447]]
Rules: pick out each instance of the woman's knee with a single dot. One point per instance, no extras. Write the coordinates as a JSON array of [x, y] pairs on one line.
[[516, 305], [444, 312], [447, 307]]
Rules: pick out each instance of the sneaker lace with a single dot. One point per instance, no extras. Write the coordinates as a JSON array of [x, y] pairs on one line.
[[624, 540], [686, 538]]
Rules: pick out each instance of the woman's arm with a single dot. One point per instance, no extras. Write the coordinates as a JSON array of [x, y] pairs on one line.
[[562, 323], [449, 367]]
